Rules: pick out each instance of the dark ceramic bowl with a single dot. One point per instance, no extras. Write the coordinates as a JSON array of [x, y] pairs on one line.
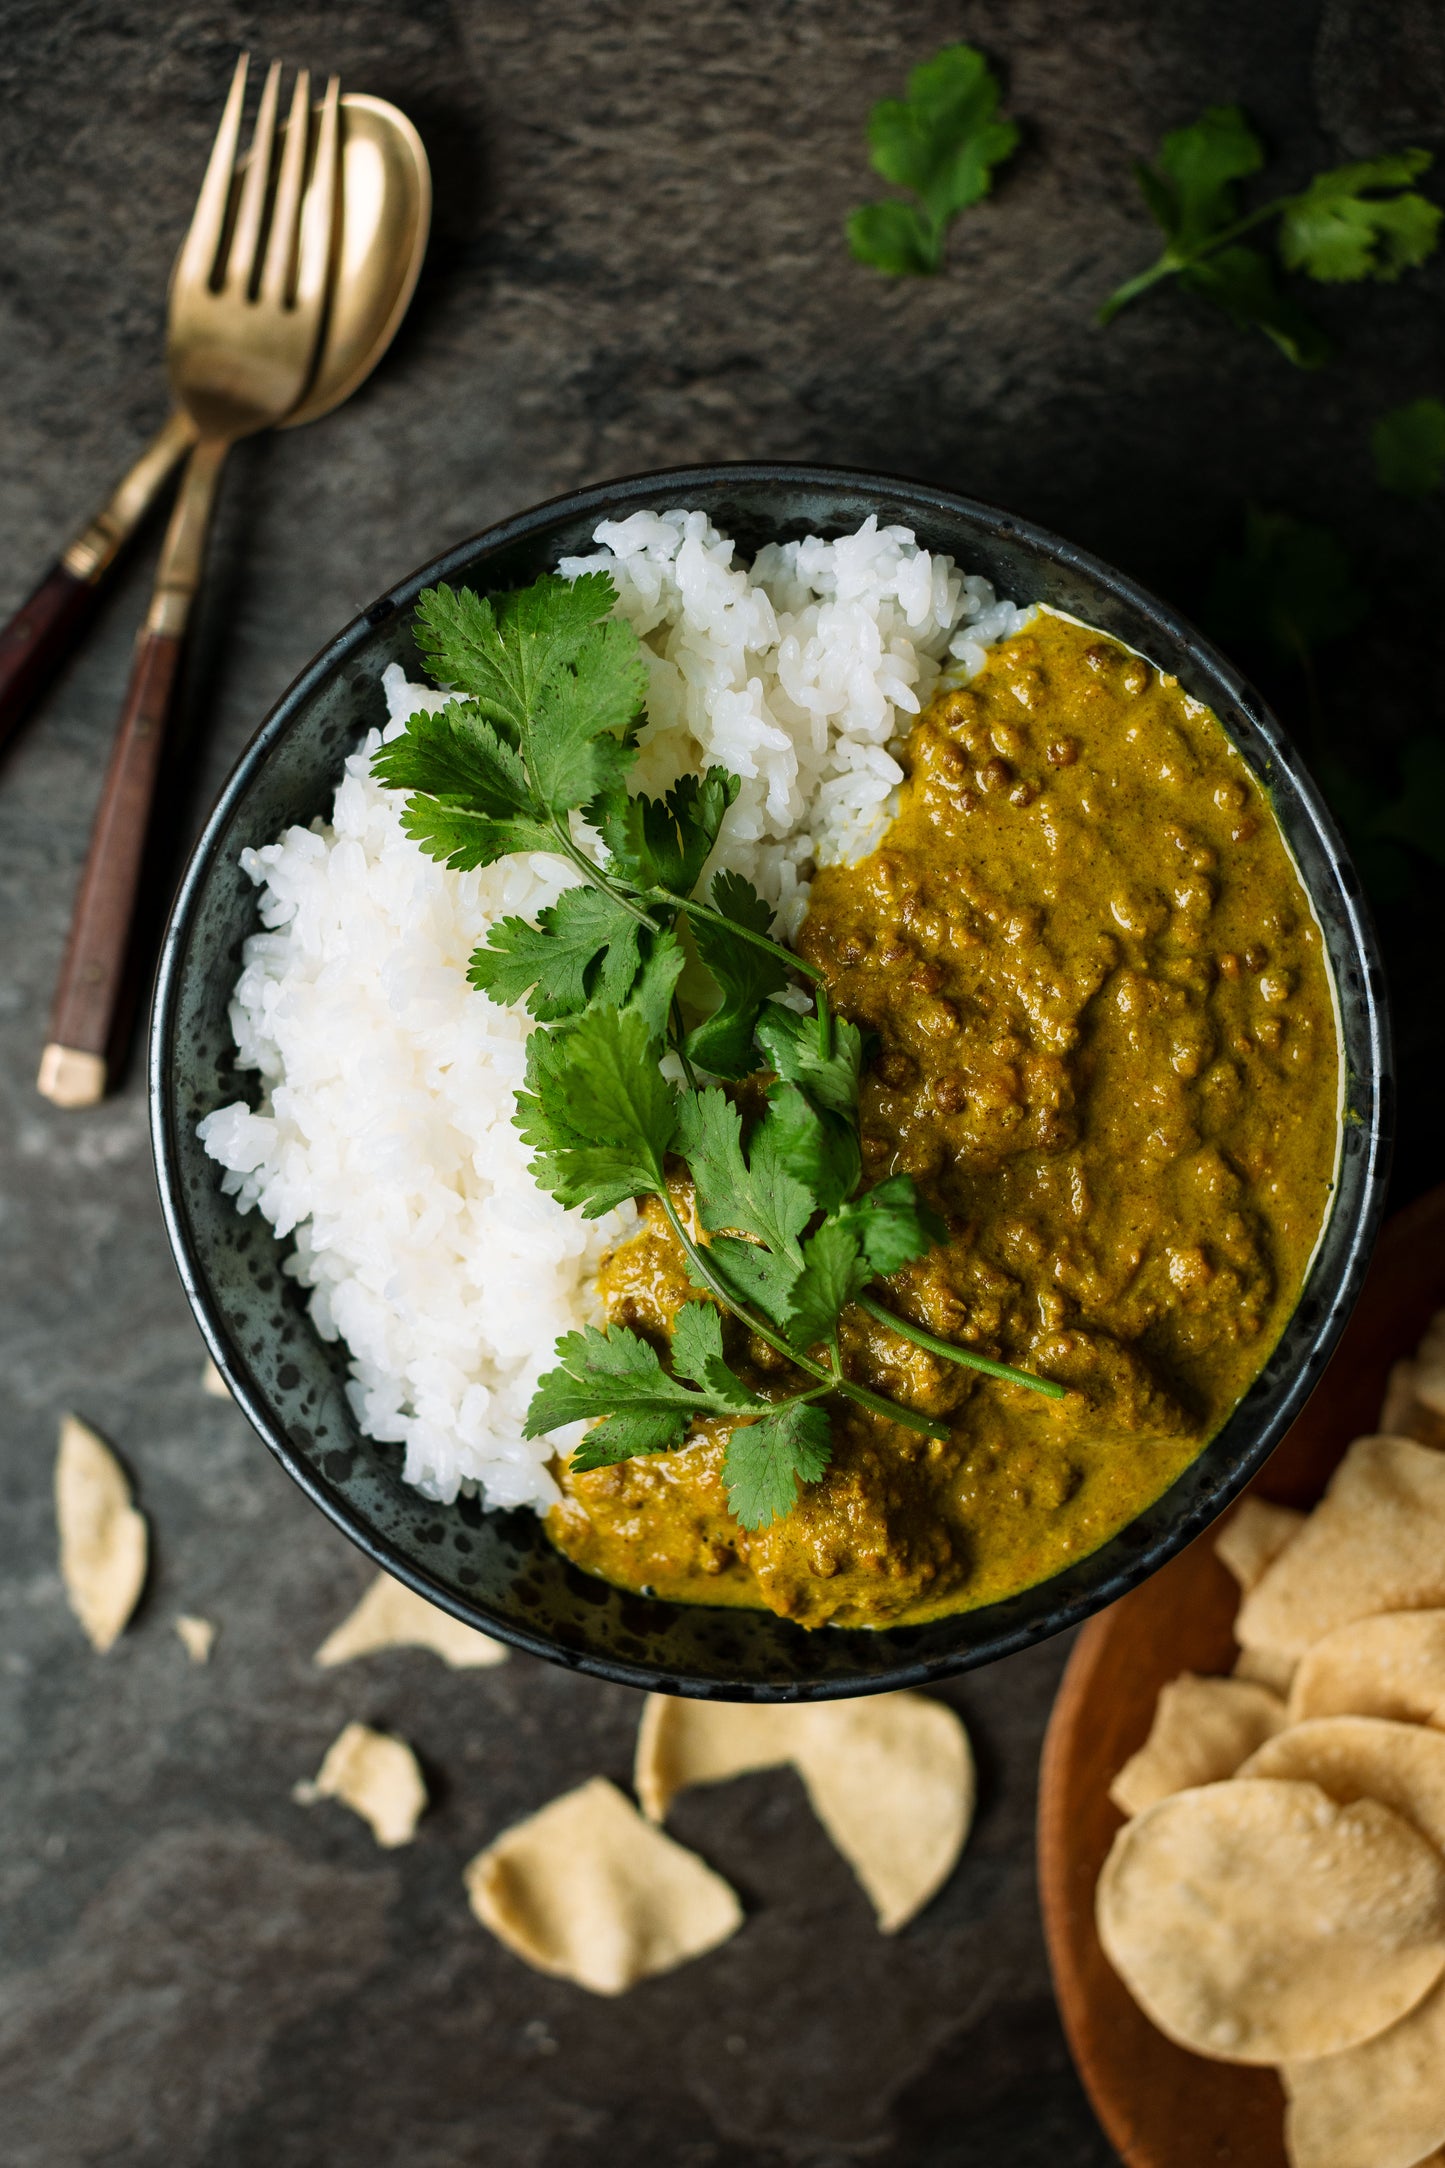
[[497, 1570]]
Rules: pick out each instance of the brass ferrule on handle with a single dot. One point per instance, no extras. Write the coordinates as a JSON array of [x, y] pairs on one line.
[[94, 550], [183, 553]]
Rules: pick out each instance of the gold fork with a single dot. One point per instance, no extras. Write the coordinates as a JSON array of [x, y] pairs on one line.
[[247, 307]]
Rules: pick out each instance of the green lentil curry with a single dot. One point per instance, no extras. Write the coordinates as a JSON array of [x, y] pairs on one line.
[[1104, 1046]]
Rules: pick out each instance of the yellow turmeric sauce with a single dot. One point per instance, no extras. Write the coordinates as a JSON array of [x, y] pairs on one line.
[[1104, 1046]]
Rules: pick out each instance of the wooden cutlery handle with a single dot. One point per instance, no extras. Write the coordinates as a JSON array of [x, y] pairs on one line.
[[97, 975], [37, 640], [93, 976], [46, 627]]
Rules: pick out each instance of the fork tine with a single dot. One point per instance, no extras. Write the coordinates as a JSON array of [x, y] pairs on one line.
[[286, 212], [202, 245], [318, 212], [246, 240]]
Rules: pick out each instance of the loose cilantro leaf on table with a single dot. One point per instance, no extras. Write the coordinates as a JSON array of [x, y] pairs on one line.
[[1409, 447], [1290, 588], [1360, 222], [1355, 222], [941, 142], [1290, 591], [544, 727]]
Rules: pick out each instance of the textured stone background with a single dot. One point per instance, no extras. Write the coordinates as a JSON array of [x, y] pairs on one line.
[[637, 261]]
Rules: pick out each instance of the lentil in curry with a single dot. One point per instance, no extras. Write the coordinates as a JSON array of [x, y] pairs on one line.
[[1104, 1046]]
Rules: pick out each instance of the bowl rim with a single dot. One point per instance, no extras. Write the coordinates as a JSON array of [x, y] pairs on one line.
[[1118, 1573]]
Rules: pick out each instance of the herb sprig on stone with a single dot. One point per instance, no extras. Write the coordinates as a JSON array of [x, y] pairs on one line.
[[941, 143], [532, 753], [1361, 221]]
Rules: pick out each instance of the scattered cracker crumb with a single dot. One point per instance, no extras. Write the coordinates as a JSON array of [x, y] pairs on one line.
[[377, 1776], [198, 1634], [390, 1616], [213, 1383], [103, 1541]]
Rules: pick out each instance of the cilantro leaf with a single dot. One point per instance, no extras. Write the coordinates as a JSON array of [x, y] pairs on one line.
[[1290, 588], [1409, 447], [1415, 817], [895, 239], [665, 842], [464, 840], [893, 1224], [584, 947], [1338, 229], [744, 973], [756, 1195], [476, 809], [598, 1113], [502, 650], [941, 143], [766, 1461], [1358, 221], [1194, 194], [577, 740], [554, 688], [1241, 282], [790, 1042], [697, 1353], [820, 1149], [457, 755], [834, 1269], [617, 1375], [651, 996], [758, 1278]]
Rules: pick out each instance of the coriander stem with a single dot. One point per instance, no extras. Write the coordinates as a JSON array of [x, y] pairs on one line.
[[907, 1330], [598, 879], [832, 1382], [825, 1022], [676, 1040], [694, 909], [1169, 265]]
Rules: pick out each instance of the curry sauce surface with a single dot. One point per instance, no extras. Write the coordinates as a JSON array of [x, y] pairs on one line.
[[1104, 1046]]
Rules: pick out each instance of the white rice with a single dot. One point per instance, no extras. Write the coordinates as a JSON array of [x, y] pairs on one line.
[[384, 1138]]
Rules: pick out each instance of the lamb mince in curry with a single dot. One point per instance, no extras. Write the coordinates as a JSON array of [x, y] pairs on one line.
[[1104, 1046]]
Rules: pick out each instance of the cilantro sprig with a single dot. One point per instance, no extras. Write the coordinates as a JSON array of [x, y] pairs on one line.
[[780, 1236], [941, 142], [1409, 447], [1360, 221]]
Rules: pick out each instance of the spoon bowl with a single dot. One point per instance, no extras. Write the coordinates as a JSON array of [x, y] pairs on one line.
[[386, 199]]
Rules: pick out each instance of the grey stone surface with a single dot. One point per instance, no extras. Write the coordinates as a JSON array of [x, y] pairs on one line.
[[637, 261]]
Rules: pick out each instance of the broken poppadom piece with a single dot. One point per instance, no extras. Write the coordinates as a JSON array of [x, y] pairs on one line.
[[1202, 1730], [197, 1636], [390, 1616], [212, 1383], [891, 1778], [1253, 1537], [375, 1775], [1375, 1542], [589, 1891], [103, 1543]]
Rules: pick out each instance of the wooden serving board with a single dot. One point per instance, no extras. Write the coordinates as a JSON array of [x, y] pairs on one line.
[[1160, 2106]]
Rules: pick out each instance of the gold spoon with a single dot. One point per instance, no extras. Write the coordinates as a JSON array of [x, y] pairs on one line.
[[385, 217]]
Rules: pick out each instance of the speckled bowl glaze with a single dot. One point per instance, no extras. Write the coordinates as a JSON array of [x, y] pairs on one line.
[[497, 1570]]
